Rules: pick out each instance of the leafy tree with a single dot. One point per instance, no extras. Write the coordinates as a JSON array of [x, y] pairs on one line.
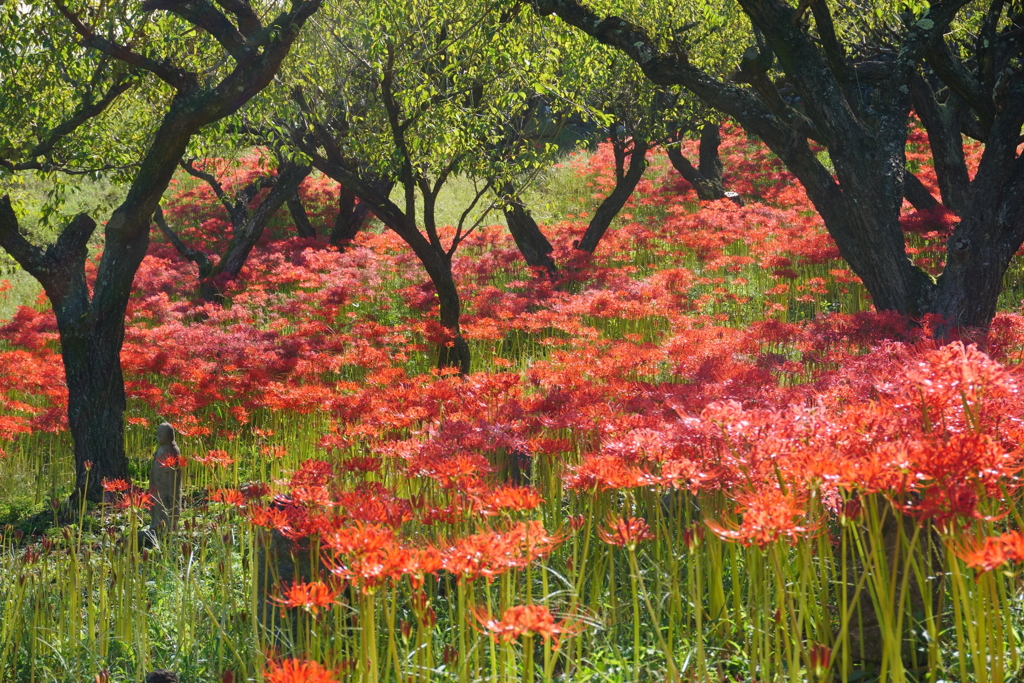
[[634, 116], [857, 73], [202, 61], [247, 221], [413, 94]]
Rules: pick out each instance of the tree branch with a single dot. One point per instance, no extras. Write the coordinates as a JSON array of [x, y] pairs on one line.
[[248, 22], [178, 79], [204, 15], [29, 256], [87, 111], [196, 256]]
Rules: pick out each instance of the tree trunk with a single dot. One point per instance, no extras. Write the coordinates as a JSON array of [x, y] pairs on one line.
[[248, 234], [455, 352], [917, 194], [533, 245], [706, 189], [941, 121], [710, 160], [991, 232], [300, 217], [707, 182], [614, 202], [353, 215], [96, 399]]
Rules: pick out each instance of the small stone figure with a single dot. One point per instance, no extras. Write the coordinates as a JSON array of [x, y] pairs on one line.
[[162, 675], [165, 481]]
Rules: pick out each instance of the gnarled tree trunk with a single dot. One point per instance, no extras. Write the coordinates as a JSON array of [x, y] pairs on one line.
[[626, 182], [707, 180]]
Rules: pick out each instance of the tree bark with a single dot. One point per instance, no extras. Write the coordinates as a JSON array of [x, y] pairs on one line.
[[710, 160], [942, 123], [300, 217], [613, 203], [533, 245], [248, 234], [353, 216], [247, 228], [455, 352], [706, 189], [919, 196], [991, 232]]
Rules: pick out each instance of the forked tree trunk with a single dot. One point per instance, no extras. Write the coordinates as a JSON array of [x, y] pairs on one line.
[[707, 180], [866, 139], [626, 182]]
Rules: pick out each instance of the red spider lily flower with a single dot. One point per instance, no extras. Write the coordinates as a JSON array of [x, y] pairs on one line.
[[312, 473], [994, 551], [768, 515], [87, 465], [311, 596], [626, 533], [174, 461], [821, 659], [267, 517], [135, 499], [525, 620], [312, 496], [361, 464], [360, 538], [215, 458], [231, 497], [507, 499], [255, 489], [493, 553], [297, 671], [115, 485]]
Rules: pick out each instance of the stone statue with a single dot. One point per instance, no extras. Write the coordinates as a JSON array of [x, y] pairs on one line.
[[165, 481]]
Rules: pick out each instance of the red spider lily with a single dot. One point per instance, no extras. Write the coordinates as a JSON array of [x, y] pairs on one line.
[[297, 671], [215, 458], [255, 489], [626, 533], [768, 515], [232, 497], [312, 473], [525, 620], [312, 496], [134, 499], [493, 553], [174, 461], [115, 485], [311, 596], [507, 499], [267, 517], [357, 539], [994, 551]]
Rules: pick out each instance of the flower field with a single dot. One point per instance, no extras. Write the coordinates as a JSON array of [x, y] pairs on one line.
[[698, 455]]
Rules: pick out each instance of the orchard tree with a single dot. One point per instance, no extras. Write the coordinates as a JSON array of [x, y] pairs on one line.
[[856, 72], [202, 60], [414, 94], [247, 218], [634, 116]]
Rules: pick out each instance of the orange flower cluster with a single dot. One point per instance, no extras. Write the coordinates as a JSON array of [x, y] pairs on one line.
[[297, 671], [995, 551], [525, 620]]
